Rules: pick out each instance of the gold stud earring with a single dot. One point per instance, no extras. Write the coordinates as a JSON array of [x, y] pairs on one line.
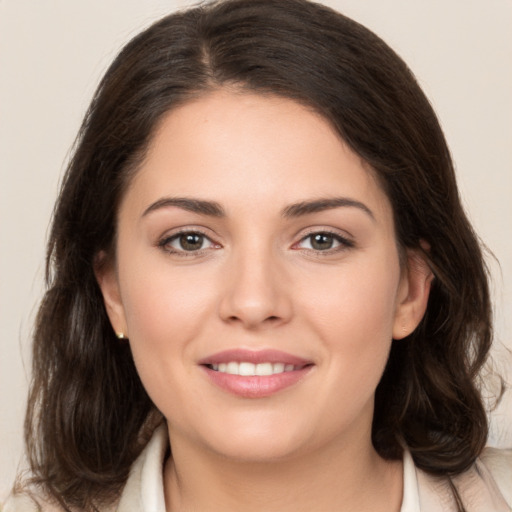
[[120, 336]]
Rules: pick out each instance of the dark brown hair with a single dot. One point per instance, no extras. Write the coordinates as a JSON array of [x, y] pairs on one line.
[[88, 415]]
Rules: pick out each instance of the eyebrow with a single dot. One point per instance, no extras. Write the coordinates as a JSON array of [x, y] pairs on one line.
[[320, 205], [214, 209], [199, 206]]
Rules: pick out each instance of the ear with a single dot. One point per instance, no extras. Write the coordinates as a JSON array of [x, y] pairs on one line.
[[413, 293], [107, 279]]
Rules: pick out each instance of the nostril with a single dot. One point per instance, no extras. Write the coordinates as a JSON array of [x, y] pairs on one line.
[[269, 319]]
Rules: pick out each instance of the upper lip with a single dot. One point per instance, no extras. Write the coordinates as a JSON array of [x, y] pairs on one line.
[[255, 357]]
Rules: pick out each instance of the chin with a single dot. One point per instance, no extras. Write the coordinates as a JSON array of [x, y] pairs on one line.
[[254, 436], [259, 447]]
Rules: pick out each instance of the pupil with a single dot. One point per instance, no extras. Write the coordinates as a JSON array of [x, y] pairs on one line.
[[322, 241], [191, 241]]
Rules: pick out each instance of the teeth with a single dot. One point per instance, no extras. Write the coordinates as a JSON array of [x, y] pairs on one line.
[[279, 367], [250, 369], [232, 368], [264, 369]]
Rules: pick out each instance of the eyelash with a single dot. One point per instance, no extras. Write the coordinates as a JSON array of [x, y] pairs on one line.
[[344, 243]]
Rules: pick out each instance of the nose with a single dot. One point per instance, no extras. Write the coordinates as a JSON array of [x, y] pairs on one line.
[[256, 294]]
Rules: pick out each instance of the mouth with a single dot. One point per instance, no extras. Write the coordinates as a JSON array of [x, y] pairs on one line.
[[255, 374]]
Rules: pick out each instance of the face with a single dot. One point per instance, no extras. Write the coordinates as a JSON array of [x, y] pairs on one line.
[[258, 279]]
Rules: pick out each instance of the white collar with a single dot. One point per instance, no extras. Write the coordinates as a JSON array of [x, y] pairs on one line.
[[410, 498], [144, 489]]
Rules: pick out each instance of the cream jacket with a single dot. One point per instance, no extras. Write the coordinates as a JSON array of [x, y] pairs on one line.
[[485, 487]]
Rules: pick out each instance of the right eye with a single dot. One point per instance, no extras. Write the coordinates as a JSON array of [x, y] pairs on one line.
[[186, 242]]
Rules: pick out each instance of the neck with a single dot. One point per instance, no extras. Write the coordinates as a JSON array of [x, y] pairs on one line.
[[341, 476]]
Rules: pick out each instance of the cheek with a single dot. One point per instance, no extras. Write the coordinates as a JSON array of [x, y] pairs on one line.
[[161, 299], [360, 297], [353, 317], [165, 312]]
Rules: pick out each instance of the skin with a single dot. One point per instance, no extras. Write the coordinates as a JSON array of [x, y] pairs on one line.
[[257, 282]]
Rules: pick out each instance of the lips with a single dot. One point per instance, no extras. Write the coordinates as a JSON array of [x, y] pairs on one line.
[[255, 374]]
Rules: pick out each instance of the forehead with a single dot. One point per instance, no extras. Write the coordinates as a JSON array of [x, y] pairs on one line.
[[243, 147]]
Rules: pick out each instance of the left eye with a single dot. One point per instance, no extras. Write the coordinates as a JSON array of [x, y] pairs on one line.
[[188, 242], [322, 242]]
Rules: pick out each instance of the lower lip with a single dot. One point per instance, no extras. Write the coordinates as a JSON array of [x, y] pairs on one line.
[[256, 386]]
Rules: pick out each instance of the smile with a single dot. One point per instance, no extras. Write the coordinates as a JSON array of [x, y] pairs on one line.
[[255, 374], [248, 369]]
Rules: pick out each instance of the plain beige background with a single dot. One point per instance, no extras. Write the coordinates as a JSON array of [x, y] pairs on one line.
[[53, 52]]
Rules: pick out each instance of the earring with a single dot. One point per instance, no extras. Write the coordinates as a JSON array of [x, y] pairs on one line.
[[120, 336]]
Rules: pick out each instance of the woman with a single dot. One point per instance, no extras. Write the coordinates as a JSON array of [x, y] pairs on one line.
[[263, 292]]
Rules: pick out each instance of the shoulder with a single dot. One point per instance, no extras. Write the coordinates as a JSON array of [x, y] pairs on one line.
[[485, 487], [25, 501], [30, 499], [498, 463], [142, 491]]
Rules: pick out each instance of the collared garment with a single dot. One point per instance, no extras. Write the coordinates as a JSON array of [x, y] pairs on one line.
[[485, 487]]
